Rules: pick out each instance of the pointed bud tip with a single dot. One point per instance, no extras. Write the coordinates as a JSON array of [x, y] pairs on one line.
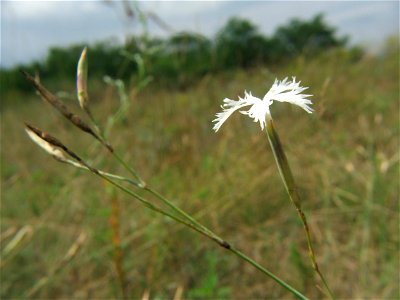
[[81, 83]]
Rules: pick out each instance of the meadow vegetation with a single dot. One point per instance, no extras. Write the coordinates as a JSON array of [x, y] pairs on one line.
[[345, 158]]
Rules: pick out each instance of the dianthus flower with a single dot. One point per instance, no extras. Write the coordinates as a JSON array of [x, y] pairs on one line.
[[282, 91]]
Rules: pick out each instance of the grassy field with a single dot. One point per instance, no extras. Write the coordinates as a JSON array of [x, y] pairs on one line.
[[345, 158]]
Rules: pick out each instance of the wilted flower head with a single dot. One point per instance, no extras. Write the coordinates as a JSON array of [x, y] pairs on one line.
[[282, 91]]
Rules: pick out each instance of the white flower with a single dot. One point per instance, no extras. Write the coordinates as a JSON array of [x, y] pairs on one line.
[[282, 91]]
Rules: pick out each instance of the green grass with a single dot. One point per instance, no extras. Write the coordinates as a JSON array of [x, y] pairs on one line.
[[345, 159]]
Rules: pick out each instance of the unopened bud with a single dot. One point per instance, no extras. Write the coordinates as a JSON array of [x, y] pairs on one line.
[[81, 82]]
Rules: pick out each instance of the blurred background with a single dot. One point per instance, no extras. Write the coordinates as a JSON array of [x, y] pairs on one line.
[[158, 72]]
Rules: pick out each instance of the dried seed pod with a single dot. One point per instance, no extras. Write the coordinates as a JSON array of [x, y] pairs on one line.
[[52, 141], [61, 107], [56, 143], [49, 148]]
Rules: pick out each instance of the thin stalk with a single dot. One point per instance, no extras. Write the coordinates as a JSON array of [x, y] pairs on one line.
[[167, 202], [142, 184], [265, 271], [206, 233], [91, 117], [177, 209], [110, 175], [159, 210], [111, 150], [150, 190], [288, 181]]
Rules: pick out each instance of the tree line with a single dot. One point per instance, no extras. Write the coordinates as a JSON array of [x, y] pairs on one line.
[[185, 56]]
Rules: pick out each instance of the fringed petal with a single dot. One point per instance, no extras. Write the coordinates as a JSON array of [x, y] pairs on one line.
[[290, 92], [282, 91]]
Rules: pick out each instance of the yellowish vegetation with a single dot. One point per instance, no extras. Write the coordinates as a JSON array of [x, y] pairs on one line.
[[345, 159]]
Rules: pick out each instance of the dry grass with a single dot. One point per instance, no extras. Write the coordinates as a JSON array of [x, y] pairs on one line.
[[345, 158]]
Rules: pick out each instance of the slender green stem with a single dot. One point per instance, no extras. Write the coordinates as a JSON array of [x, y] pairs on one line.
[[94, 121], [152, 191], [130, 169], [154, 207], [142, 184], [288, 180], [110, 175], [110, 148], [209, 234], [265, 271], [179, 211]]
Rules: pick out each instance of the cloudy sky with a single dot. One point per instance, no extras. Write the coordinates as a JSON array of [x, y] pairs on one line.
[[29, 28]]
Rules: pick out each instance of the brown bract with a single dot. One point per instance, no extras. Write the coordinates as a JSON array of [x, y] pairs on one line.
[[52, 141], [61, 107]]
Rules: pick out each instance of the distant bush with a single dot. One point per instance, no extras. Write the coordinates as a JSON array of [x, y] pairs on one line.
[[306, 37], [181, 58], [185, 56], [239, 44]]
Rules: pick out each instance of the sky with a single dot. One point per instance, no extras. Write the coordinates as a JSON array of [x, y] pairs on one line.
[[29, 28]]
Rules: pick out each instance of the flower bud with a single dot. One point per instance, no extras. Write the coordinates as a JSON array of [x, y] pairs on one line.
[[81, 82]]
